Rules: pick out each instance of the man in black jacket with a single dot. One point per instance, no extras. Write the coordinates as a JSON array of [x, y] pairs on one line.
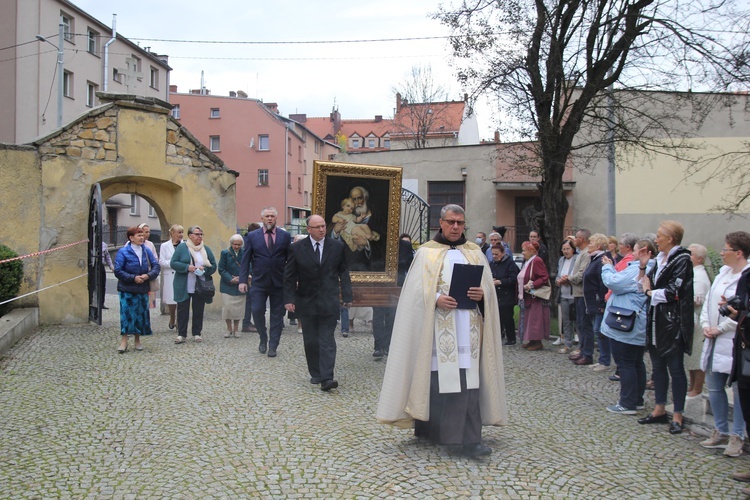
[[314, 275]]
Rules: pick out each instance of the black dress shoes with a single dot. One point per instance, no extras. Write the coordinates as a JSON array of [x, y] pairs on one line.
[[676, 427], [314, 380], [476, 450], [508, 342], [262, 347], [378, 354], [650, 419], [327, 385], [271, 352]]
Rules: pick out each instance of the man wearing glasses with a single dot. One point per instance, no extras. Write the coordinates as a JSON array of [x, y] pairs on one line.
[[315, 274], [446, 363]]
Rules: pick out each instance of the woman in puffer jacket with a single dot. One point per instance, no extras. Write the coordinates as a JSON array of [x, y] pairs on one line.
[[716, 358], [669, 334]]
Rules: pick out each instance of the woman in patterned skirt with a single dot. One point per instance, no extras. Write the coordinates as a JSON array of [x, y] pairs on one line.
[[135, 266]]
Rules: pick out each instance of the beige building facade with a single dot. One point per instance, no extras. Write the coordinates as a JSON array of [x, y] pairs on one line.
[[128, 145], [94, 60], [706, 131]]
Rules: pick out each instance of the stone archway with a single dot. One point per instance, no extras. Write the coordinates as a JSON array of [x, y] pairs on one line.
[[132, 145]]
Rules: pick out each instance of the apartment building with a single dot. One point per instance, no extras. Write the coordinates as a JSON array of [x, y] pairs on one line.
[[273, 154], [94, 58]]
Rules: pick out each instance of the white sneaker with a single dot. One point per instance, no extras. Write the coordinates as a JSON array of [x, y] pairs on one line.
[[575, 339], [734, 448], [601, 368], [198, 338], [594, 365], [559, 341], [717, 440]]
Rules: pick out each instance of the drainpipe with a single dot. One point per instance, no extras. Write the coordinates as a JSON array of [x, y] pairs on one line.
[[286, 173], [106, 52]]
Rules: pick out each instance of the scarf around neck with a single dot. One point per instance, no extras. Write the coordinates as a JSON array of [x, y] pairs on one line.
[[201, 249]]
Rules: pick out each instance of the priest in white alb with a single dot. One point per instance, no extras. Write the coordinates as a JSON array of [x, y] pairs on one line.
[[444, 375]]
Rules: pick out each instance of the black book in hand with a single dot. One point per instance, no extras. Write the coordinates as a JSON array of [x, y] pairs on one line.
[[464, 277]]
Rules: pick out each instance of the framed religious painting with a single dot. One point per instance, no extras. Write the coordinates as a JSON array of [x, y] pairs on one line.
[[361, 205]]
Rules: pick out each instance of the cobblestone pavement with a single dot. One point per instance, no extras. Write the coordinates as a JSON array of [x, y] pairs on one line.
[[220, 420]]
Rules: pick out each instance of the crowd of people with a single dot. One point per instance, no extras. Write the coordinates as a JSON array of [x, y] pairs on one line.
[[624, 297]]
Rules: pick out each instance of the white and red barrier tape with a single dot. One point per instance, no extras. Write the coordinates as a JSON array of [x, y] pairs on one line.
[[44, 251]]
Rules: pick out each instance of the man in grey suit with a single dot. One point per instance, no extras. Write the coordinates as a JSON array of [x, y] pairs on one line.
[[315, 273]]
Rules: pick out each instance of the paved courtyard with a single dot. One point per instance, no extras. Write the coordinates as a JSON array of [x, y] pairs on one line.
[[220, 420]]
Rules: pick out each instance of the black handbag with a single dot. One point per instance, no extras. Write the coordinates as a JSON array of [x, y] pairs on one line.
[[743, 372], [620, 318], [204, 286]]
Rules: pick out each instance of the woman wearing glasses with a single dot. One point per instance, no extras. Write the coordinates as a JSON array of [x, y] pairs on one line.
[[190, 260]]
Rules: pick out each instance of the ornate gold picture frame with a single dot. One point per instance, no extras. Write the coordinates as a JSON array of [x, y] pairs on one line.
[[362, 206]]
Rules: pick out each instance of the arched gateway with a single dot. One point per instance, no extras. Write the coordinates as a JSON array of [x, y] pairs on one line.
[[129, 144]]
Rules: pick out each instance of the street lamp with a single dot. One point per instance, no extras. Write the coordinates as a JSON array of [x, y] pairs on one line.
[[60, 82]]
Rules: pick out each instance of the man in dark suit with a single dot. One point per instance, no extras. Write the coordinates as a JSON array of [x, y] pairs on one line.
[[267, 249], [314, 274]]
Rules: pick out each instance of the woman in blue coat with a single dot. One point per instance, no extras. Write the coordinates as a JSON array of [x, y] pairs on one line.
[[135, 266], [190, 260], [628, 347], [233, 309]]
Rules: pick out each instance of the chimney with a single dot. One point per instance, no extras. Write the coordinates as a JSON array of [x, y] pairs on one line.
[[232, 93], [497, 137], [173, 89], [299, 117], [398, 102], [242, 94], [378, 118]]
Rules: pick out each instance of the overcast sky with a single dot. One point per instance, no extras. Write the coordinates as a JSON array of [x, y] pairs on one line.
[[302, 78]]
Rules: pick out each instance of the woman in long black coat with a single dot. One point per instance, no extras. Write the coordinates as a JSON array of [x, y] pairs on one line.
[[505, 275]]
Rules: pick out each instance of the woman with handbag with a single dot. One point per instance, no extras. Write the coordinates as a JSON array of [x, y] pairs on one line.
[[594, 293], [135, 267], [535, 291], [194, 263], [233, 301], [669, 334], [716, 356], [625, 327]]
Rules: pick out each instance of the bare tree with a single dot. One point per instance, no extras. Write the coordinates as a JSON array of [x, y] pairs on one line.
[[572, 74], [421, 110]]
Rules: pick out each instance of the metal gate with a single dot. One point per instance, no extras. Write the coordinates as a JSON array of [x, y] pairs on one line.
[[415, 217], [97, 276]]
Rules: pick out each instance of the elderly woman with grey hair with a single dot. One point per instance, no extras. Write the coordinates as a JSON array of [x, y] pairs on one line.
[[701, 286], [233, 300]]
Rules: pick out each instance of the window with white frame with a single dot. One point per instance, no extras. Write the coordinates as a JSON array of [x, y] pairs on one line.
[[68, 26], [68, 84], [215, 113], [176, 112], [263, 177], [91, 89], [153, 79], [387, 143], [355, 143], [92, 41], [134, 204], [214, 143], [263, 143], [151, 211], [116, 75], [370, 143]]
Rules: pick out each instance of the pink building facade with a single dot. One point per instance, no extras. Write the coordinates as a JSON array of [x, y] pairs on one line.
[[273, 154]]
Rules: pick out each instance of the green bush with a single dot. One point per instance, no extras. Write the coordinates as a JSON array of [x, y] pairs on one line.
[[713, 262], [11, 274]]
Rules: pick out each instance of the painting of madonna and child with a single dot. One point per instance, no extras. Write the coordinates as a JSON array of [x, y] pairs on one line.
[[361, 205]]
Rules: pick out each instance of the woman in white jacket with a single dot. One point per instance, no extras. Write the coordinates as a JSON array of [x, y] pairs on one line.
[[166, 250], [716, 358]]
